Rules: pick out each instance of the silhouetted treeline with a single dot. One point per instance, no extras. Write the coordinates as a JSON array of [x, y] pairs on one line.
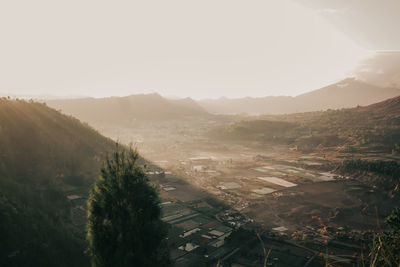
[[388, 168]]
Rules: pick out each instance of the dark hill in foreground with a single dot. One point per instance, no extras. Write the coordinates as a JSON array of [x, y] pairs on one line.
[[43, 154], [40, 143]]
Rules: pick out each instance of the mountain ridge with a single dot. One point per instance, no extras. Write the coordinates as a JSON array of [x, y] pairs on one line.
[[347, 93], [140, 107], [375, 127]]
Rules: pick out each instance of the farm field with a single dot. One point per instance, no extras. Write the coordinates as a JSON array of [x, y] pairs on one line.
[[285, 193]]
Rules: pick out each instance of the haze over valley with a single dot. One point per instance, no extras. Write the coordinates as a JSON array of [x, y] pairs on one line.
[[175, 133]]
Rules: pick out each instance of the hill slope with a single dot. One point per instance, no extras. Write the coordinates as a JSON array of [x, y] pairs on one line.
[[43, 155], [345, 94], [375, 126], [250, 105], [46, 143]]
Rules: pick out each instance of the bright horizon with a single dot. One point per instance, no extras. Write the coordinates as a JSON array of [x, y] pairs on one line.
[[201, 50]]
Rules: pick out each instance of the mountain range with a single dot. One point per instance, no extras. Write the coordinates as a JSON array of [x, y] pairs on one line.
[[344, 94], [125, 110], [347, 93]]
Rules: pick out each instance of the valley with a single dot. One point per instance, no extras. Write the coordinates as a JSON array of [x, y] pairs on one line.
[[295, 194], [200, 133], [230, 185], [286, 195]]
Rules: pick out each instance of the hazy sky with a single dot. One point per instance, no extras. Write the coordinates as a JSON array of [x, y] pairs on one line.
[[201, 49]]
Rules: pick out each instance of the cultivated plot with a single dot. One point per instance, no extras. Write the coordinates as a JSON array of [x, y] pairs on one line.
[[278, 181]]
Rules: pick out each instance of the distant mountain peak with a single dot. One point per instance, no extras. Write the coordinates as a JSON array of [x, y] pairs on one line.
[[347, 93], [150, 95], [124, 110]]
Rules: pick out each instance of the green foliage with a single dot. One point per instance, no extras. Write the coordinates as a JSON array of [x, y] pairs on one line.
[[305, 143], [388, 168], [33, 236], [41, 143], [216, 203], [43, 152], [374, 127], [396, 149], [124, 224], [256, 130], [385, 250]]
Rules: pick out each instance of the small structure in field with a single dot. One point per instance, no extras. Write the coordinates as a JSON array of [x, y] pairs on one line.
[[188, 247]]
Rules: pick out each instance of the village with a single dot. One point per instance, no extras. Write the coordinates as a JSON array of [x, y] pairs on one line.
[[239, 187], [209, 197]]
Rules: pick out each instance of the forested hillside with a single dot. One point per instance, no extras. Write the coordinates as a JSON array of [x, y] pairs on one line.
[[375, 126], [43, 154]]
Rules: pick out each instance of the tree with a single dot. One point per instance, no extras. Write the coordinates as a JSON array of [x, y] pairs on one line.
[[124, 225], [385, 249]]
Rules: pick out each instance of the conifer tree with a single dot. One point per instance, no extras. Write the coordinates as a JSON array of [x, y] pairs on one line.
[[124, 225]]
